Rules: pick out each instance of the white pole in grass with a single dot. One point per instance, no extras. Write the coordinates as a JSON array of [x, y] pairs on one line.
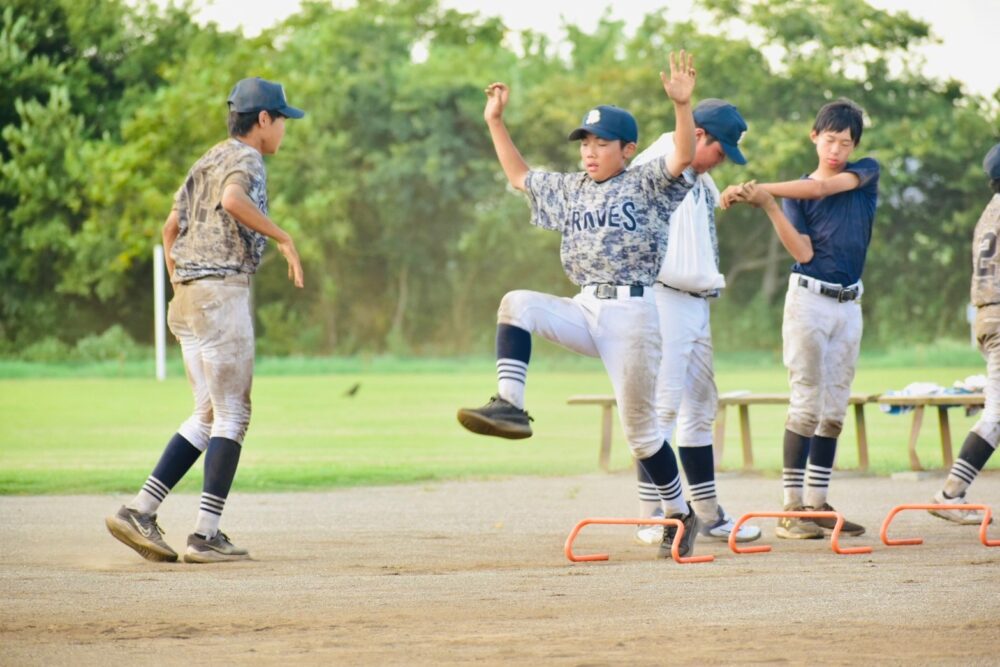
[[159, 314]]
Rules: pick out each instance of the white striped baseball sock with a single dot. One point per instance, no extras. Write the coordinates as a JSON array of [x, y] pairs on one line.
[[793, 474], [649, 497], [817, 485], [209, 515], [150, 496], [512, 377]]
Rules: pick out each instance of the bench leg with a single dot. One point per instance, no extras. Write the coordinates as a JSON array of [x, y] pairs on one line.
[[719, 436], [945, 429], [604, 459], [862, 433], [918, 418], [745, 437]]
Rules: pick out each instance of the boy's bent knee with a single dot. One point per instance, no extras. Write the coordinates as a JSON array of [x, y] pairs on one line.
[[830, 428]]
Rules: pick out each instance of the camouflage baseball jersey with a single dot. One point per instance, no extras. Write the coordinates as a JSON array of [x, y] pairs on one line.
[[614, 231], [210, 242], [985, 279]]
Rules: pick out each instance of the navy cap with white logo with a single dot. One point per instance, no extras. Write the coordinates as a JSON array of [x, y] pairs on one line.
[[991, 163], [608, 122], [723, 121], [257, 94]]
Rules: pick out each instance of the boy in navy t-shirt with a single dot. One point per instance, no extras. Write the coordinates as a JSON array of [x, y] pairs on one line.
[[825, 223]]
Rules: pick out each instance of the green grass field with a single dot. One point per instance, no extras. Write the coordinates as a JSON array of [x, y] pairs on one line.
[[85, 435]]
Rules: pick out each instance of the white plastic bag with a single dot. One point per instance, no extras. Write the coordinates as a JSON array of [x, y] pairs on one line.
[[689, 264]]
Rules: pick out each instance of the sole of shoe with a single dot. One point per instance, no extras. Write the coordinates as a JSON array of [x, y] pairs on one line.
[[148, 549], [944, 514], [213, 557], [789, 535], [483, 426], [742, 536]]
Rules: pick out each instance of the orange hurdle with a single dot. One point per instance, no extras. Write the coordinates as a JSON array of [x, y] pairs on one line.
[[834, 537], [987, 512], [631, 522]]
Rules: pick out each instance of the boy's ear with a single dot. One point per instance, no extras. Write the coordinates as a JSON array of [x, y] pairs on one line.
[[813, 135], [629, 150], [264, 118]]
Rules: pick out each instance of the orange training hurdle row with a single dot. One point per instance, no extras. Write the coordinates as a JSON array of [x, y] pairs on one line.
[[834, 537], [632, 522], [918, 540]]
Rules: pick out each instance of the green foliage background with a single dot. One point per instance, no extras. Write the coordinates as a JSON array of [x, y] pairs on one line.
[[390, 187]]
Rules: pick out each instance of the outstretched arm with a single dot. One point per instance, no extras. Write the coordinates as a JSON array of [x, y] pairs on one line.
[[239, 205], [514, 166], [679, 86], [797, 244], [810, 188]]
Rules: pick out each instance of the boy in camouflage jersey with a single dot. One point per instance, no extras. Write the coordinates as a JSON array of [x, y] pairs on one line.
[[213, 239], [613, 223], [982, 440]]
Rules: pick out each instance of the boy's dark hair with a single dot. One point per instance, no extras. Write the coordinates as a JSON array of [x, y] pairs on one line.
[[709, 138], [240, 124], [840, 115]]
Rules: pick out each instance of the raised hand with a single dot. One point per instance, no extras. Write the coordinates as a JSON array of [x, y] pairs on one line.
[[680, 84], [497, 95]]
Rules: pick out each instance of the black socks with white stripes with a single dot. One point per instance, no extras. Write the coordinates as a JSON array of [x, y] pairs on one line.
[[177, 458], [221, 459], [661, 469], [971, 460], [796, 453]]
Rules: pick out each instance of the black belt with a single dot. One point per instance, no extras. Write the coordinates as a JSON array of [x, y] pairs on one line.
[[698, 295], [841, 294], [608, 291]]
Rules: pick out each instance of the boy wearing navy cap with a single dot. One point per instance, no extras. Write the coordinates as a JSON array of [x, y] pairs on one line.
[[686, 394], [982, 440], [613, 223], [825, 223], [213, 240]]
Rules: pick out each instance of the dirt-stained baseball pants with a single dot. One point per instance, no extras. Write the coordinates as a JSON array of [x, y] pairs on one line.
[[211, 319]]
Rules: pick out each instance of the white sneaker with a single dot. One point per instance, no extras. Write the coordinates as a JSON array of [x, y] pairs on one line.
[[962, 516], [722, 527], [652, 535]]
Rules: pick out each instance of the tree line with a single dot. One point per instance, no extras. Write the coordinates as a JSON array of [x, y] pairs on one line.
[[408, 233]]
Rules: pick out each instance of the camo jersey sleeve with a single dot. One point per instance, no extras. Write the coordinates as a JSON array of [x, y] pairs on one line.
[[614, 231]]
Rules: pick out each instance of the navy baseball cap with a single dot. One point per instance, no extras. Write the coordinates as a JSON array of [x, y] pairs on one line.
[[723, 121], [608, 122], [257, 94], [991, 163]]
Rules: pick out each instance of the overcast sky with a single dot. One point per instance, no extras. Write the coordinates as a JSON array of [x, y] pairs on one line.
[[967, 28]]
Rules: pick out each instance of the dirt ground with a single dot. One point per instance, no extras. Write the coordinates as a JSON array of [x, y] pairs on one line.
[[474, 572]]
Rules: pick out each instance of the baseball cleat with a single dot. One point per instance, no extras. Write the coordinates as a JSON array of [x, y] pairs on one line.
[[686, 546], [217, 549], [499, 418], [966, 517], [849, 528], [794, 528], [140, 532], [722, 527]]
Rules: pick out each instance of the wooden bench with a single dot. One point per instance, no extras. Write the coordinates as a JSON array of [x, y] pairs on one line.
[[741, 399], [942, 402], [744, 399]]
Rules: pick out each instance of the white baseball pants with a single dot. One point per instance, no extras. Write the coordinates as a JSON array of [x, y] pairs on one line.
[[822, 339], [988, 335], [686, 395], [623, 332], [212, 321]]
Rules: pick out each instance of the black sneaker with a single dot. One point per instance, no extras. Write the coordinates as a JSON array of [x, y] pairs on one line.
[[686, 546], [142, 533], [217, 549], [499, 418], [849, 528]]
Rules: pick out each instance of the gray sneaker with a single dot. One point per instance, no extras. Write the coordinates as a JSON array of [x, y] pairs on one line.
[[965, 517], [848, 528], [691, 526], [140, 532], [499, 418], [796, 528], [723, 525], [217, 549]]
